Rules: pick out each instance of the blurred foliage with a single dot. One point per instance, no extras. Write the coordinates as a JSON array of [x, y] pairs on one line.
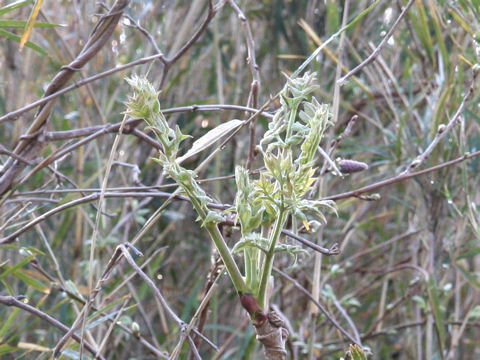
[[408, 275]]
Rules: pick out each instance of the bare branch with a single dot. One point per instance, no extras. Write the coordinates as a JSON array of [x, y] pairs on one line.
[[13, 301], [399, 178], [380, 46]]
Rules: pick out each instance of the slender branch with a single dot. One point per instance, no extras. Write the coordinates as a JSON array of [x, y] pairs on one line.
[[251, 58], [322, 308], [122, 250], [393, 329], [130, 192], [168, 62], [131, 124], [380, 46], [136, 25], [16, 113], [29, 147], [254, 69], [180, 323], [86, 199], [4, 150], [410, 291], [444, 129], [399, 178], [349, 320], [128, 330], [317, 51], [13, 301], [334, 250], [201, 307], [96, 131], [252, 100]]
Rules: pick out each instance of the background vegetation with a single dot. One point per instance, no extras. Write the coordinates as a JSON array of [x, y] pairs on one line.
[[406, 282]]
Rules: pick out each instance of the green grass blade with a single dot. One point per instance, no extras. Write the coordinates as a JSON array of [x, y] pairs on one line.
[[331, 38], [15, 5], [22, 23], [437, 312], [11, 269], [29, 44]]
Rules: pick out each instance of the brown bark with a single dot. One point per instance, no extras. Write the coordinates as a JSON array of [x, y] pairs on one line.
[[270, 328]]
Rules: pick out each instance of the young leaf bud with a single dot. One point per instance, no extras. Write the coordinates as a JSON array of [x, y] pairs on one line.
[[351, 166], [441, 128]]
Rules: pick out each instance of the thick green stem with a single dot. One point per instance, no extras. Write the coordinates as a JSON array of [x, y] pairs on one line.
[[227, 258], [221, 246], [268, 264], [248, 268]]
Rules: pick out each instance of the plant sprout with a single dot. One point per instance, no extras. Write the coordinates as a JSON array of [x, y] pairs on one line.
[[262, 205]]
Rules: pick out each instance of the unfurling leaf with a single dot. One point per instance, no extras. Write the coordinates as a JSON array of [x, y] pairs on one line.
[[356, 353], [212, 217]]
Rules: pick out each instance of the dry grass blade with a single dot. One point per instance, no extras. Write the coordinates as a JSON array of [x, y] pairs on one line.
[[30, 24], [211, 137]]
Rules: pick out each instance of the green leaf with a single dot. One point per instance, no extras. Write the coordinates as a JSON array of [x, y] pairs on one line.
[[252, 241], [5, 349], [423, 31], [461, 21], [420, 302], [106, 308], [22, 23], [437, 312], [13, 6], [109, 316], [212, 217], [11, 269], [29, 280], [468, 254], [71, 287], [333, 17], [29, 44], [357, 353], [471, 277], [7, 324], [474, 314], [328, 292]]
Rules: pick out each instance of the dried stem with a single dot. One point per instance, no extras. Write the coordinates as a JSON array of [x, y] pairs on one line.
[[13, 301]]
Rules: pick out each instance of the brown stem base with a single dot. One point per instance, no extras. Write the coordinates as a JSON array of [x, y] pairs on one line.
[[273, 335], [270, 328]]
